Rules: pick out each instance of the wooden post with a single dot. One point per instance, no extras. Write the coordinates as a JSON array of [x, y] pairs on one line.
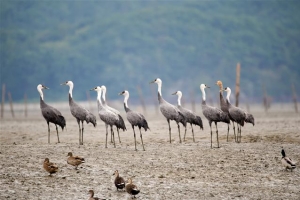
[[295, 98], [25, 104], [3, 100], [141, 99], [266, 99], [11, 105], [192, 94], [237, 85]]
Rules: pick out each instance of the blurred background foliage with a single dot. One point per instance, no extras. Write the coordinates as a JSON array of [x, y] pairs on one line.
[[126, 44]]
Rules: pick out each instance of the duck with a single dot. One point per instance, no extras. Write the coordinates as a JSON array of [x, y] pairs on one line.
[[287, 162], [50, 167], [131, 188], [91, 192], [74, 160], [119, 181]]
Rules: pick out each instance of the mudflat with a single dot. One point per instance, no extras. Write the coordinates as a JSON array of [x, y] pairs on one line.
[[189, 170]]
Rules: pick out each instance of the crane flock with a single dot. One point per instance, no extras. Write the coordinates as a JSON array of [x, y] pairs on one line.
[[112, 117]]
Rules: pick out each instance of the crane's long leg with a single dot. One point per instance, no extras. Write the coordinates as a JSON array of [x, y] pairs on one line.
[[111, 138], [235, 137], [227, 132], [193, 133], [184, 134], [82, 133], [134, 137], [210, 135], [57, 133], [179, 132], [119, 135], [240, 134], [142, 139], [48, 133], [169, 129], [238, 131], [106, 125], [79, 131], [217, 134], [113, 134]]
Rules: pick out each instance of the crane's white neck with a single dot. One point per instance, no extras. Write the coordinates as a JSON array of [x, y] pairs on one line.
[[159, 87], [103, 88], [203, 94], [228, 94], [99, 96], [179, 99], [71, 85], [41, 92], [126, 97]]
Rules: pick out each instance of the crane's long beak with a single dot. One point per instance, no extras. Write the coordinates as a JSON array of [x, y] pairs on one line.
[[207, 87], [174, 93], [44, 87], [92, 89], [121, 93], [152, 82], [63, 84]]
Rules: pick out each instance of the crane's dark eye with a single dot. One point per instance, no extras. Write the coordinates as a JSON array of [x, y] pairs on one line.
[[155, 79]]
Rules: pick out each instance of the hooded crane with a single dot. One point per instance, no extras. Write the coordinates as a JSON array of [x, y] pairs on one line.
[[170, 111], [107, 116], [190, 116], [212, 114], [134, 118], [237, 114], [81, 114], [224, 108], [50, 114], [121, 124]]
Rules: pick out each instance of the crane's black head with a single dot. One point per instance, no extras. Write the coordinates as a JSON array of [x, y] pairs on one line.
[[157, 80], [96, 89], [69, 83], [122, 93], [44, 87]]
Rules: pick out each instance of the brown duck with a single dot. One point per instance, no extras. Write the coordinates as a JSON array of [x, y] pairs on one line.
[[91, 192], [50, 167], [131, 188], [119, 181], [74, 160]]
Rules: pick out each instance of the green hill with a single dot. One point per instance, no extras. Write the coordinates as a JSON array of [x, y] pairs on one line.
[[125, 44]]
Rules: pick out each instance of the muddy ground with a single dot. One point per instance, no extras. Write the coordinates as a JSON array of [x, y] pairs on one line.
[[189, 170]]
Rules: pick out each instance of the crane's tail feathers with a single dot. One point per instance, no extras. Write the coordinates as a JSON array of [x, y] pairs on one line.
[[225, 118], [198, 122], [249, 119], [182, 119], [121, 124], [62, 122], [91, 118]]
